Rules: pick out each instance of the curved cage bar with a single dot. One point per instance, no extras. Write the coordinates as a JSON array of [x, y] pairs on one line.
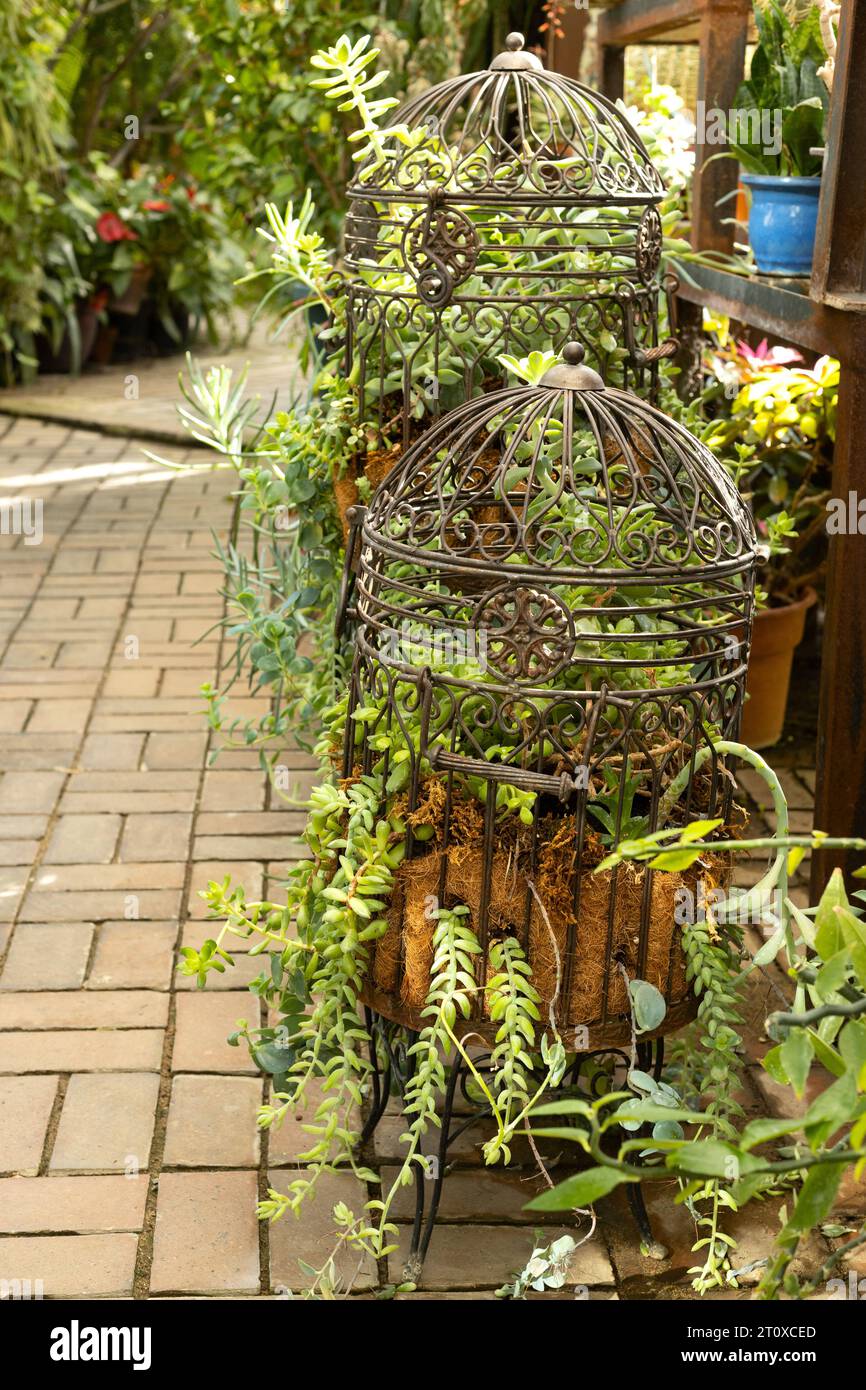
[[517, 208], [553, 601]]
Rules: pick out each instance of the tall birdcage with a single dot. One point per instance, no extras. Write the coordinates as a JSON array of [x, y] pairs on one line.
[[518, 209], [552, 599]]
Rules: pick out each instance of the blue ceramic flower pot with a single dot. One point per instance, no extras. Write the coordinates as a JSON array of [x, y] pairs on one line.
[[782, 222]]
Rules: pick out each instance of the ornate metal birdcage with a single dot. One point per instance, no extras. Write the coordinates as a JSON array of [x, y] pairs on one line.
[[553, 594], [519, 209]]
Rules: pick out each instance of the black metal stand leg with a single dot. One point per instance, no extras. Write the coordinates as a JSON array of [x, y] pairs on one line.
[[391, 1068], [421, 1238], [651, 1056], [652, 1248], [381, 1083]]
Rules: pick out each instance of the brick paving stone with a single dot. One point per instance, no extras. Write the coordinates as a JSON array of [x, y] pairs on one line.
[[83, 840], [12, 827], [312, 1238], [18, 853], [52, 955], [84, 1205], [121, 752], [206, 1238], [290, 1140], [13, 715], [194, 1140], [74, 655], [263, 823], [479, 1196], [27, 792], [80, 1009], [12, 882], [235, 978], [478, 1256], [234, 791], [247, 872], [231, 847], [156, 838], [72, 1266], [133, 955], [26, 1103], [59, 716], [106, 1123], [104, 877], [204, 1021], [128, 1049], [137, 905], [141, 683]]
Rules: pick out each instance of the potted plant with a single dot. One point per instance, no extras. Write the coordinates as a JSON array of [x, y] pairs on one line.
[[781, 111], [155, 251], [781, 424]]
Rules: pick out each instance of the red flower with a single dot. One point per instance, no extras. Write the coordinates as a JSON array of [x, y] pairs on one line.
[[99, 301], [156, 205], [110, 228], [191, 192]]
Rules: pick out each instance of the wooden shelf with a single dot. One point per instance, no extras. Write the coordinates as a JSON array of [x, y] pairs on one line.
[[824, 315], [779, 308]]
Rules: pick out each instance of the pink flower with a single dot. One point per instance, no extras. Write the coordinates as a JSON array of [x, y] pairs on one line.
[[110, 228], [765, 356]]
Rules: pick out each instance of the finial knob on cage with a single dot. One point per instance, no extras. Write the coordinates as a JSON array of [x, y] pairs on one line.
[[515, 58], [571, 373]]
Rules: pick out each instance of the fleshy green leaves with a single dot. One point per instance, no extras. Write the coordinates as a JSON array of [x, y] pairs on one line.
[[580, 1190], [795, 1056], [529, 369], [647, 1004], [829, 937], [347, 82]]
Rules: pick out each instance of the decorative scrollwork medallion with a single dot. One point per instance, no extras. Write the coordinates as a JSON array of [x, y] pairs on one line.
[[441, 247], [528, 634]]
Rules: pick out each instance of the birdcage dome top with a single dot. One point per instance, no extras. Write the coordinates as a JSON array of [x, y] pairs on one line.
[[566, 476], [513, 130]]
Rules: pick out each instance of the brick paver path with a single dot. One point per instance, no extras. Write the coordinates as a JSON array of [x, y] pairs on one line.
[[129, 1159]]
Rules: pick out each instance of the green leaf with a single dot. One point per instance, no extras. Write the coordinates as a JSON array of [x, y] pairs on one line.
[[852, 1045], [816, 1196], [675, 860], [796, 1055], [830, 1111], [763, 1131], [698, 830], [827, 1055], [580, 1190], [833, 973], [710, 1158], [775, 1067], [829, 937], [648, 1004]]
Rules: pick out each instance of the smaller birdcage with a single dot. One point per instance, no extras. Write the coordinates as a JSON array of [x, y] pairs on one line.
[[518, 210], [552, 597]]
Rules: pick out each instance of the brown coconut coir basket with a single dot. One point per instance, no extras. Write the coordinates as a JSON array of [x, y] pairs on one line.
[[580, 962]]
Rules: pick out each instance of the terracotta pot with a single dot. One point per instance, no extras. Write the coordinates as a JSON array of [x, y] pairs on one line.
[[777, 631]]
